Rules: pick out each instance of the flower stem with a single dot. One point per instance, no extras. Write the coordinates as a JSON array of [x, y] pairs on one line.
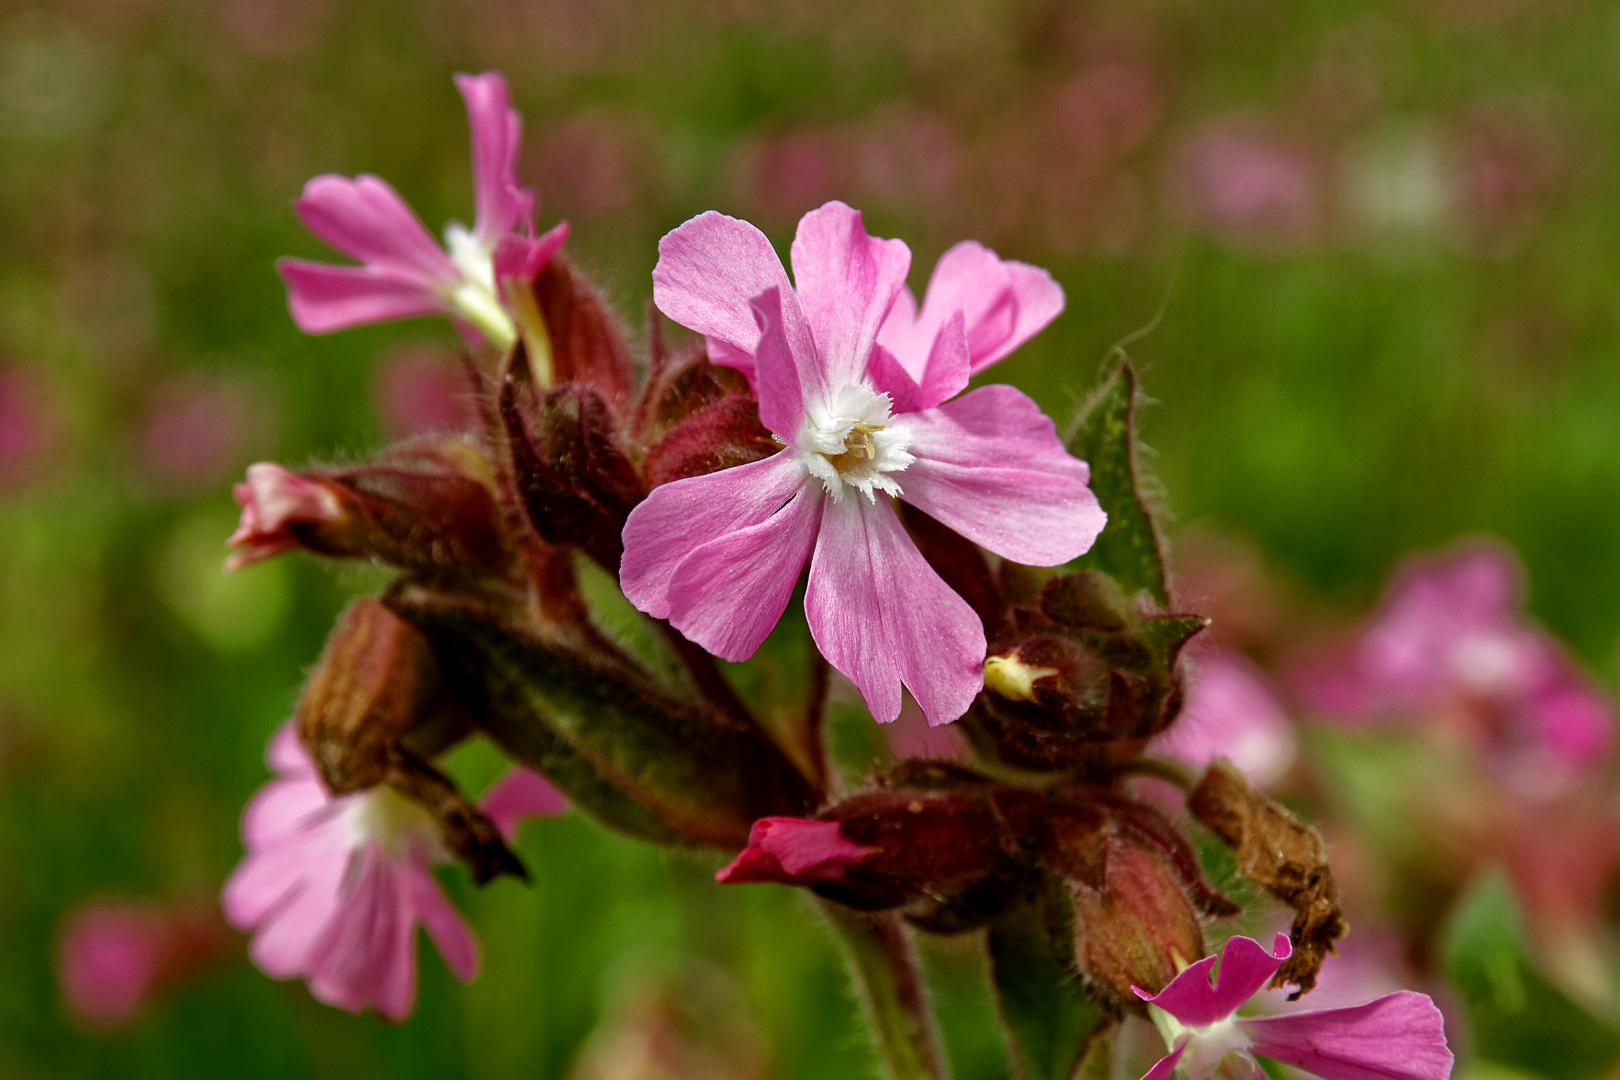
[[885, 969], [1162, 768]]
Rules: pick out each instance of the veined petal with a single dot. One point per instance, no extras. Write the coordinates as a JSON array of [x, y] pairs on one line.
[[990, 465], [711, 268], [350, 962], [1005, 304], [1245, 968], [497, 136], [730, 356], [323, 297], [880, 615], [782, 377], [367, 220], [847, 282], [944, 373], [443, 923], [728, 593], [680, 517], [1400, 1036], [1166, 1065], [283, 808]]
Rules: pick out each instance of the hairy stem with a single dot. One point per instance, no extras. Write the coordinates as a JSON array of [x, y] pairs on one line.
[[815, 719], [1162, 768], [885, 969]]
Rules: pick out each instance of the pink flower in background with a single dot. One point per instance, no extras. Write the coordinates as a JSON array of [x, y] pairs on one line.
[[1449, 644], [334, 888], [115, 955], [1245, 182], [718, 555], [29, 428], [1231, 712], [910, 736], [272, 501], [195, 432], [1400, 1036], [111, 956], [418, 390], [404, 272]]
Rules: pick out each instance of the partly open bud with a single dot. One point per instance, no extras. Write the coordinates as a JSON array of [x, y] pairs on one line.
[[425, 505], [1085, 669]]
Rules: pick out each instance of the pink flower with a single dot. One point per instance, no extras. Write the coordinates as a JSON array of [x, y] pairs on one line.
[[1449, 643], [110, 959], [1400, 1036], [273, 500], [1232, 713], [334, 888], [718, 555], [404, 272], [793, 850]]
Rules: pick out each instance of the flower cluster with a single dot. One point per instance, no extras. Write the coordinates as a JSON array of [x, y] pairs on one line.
[[952, 546]]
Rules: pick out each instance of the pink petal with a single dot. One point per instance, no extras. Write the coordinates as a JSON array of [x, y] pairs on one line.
[[680, 517], [944, 374], [1400, 1036], [1575, 722], [1245, 968], [323, 298], [1166, 1065], [1005, 304], [781, 376], [273, 496], [521, 794], [367, 220], [847, 283], [731, 357], [519, 259], [990, 466], [729, 593], [710, 270], [497, 136], [881, 615], [286, 754], [282, 808], [288, 931], [785, 848], [444, 924], [1231, 713]]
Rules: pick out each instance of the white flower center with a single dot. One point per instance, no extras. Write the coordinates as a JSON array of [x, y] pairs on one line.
[[384, 817], [1218, 1051], [847, 443], [475, 296]]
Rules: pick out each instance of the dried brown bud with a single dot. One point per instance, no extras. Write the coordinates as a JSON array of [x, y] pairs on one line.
[[1285, 856]]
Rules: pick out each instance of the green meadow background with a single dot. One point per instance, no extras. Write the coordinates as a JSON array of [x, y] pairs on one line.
[[1385, 238]]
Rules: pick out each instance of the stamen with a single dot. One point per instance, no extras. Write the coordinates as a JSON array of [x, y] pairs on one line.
[[859, 447]]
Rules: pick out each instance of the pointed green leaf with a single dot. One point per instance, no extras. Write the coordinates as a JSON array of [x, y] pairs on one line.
[[1049, 1020], [1130, 548], [1518, 1017]]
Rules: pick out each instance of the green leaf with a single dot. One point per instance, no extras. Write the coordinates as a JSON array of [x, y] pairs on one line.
[[1049, 1021], [1130, 548], [884, 967], [1519, 1018]]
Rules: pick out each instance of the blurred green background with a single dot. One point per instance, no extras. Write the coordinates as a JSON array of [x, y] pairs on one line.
[[1386, 235]]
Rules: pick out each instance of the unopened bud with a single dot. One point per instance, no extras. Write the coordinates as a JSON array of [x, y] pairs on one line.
[[1139, 928], [376, 680]]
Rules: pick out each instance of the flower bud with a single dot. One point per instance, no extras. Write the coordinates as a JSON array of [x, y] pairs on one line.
[[424, 505], [695, 418], [1138, 928], [583, 339], [573, 479], [376, 681]]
